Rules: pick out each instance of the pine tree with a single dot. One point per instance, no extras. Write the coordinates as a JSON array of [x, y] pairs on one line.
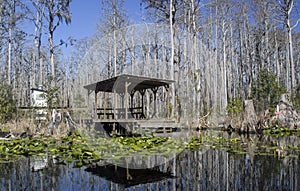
[[266, 91]]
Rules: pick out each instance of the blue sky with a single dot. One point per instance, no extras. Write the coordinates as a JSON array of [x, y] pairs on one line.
[[86, 16]]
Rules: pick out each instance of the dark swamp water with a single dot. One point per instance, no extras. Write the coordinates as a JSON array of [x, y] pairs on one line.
[[208, 168]]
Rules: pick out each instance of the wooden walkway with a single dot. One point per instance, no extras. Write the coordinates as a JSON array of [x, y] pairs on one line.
[[158, 125], [151, 125]]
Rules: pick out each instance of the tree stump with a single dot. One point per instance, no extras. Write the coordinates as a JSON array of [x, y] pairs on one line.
[[285, 115], [249, 117]]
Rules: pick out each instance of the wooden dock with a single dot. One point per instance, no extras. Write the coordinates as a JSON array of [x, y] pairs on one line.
[[151, 125], [129, 113], [158, 125]]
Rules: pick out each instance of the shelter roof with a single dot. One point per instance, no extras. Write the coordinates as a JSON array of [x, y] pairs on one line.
[[134, 83]]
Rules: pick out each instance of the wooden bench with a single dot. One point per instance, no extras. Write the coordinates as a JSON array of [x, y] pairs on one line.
[[108, 113], [137, 112]]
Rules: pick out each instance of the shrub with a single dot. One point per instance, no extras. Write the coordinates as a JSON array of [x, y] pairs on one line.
[[266, 91], [234, 107], [296, 98], [7, 103]]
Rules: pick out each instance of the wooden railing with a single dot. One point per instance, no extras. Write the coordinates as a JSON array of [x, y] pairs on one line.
[[109, 113], [137, 112]]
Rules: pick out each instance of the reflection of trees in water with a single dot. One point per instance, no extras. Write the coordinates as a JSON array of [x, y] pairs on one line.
[[52, 173], [212, 169], [5, 172], [220, 170]]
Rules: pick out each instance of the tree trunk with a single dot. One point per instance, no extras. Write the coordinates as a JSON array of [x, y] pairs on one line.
[[38, 36], [115, 37], [51, 48], [249, 117], [172, 58], [10, 39]]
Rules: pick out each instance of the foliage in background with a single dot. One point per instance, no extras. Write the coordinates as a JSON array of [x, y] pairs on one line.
[[266, 91], [79, 100], [52, 94], [296, 98], [52, 97], [234, 107], [7, 103]]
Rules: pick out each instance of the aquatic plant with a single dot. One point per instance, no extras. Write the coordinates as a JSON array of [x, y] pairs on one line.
[[280, 131], [241, 145], [83, 150], [140, 143]]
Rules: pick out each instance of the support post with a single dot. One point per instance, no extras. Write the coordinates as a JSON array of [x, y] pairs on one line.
[[131, 98], [142, 92], [115, 103], [126, 99], [105, 103], [96, 101], [168, 101], [88, 100], [154, 90]]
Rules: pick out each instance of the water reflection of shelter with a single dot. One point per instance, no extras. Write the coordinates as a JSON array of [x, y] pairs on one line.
[[129, 177], [132, 98]]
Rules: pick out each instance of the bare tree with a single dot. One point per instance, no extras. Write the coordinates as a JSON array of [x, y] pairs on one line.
[[114, 19], [286, 9], [39, 23], [10, 16], [57, 11]]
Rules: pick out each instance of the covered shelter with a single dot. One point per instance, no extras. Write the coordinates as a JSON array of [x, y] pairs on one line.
[[127, 86]]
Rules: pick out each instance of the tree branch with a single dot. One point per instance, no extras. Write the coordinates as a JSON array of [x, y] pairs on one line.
[[297, 22]]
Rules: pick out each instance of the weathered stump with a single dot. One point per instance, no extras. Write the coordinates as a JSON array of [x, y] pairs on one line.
[[285, 115], [70, 124], [249, 117]]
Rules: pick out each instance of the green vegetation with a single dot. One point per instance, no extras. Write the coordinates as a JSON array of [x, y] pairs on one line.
[[52, 93], [242, 145], [280, 131], [266, 91], [85, 151], [7, 104], [78, 100], [69, 147], [52, 97], [296, 98], [141, 143], [234, 107]]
